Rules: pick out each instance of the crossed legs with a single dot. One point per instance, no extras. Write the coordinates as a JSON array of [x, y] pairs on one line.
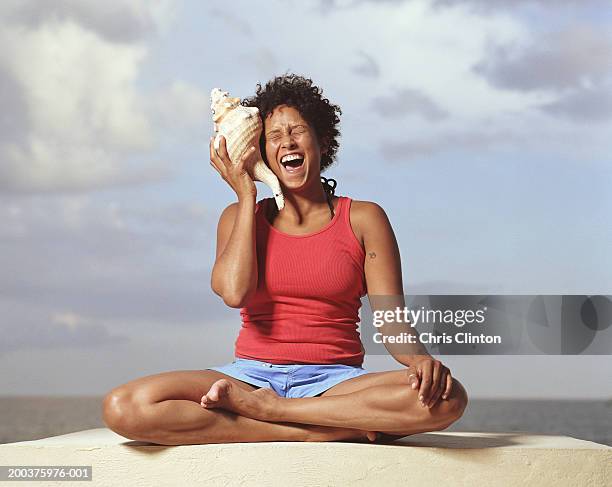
[[166, 409], [382, 402]]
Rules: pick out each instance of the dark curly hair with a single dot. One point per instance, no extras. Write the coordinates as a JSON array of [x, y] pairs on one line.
[[300, 93]]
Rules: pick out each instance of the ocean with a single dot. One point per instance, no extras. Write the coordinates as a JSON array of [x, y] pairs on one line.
[[28, 418]]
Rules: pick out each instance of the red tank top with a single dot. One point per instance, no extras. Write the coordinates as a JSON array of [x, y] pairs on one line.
[[306, 306]]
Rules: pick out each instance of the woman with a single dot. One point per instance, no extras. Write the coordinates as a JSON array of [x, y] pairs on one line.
[[298, 276]]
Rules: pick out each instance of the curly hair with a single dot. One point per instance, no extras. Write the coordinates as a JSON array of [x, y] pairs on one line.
[[300, 93]]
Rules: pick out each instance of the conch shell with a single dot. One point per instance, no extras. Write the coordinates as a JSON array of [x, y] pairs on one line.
[[241, 127]]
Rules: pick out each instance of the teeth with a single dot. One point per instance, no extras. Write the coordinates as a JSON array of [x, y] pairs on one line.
[[291, 157]]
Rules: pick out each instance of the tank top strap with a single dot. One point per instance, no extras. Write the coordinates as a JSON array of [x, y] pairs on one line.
[[342, 206]]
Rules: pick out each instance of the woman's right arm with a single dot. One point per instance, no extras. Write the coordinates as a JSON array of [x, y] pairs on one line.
[[234, 275]]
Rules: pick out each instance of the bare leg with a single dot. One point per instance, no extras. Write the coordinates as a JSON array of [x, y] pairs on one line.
[[388, 408], [184, 422], [164, 408]]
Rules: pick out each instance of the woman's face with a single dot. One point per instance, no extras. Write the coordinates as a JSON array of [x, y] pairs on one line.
[[286, 132]]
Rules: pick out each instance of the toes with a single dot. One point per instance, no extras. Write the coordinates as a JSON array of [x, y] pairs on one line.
[[372, 435], [217, 391], [206, 400], [213, 394]]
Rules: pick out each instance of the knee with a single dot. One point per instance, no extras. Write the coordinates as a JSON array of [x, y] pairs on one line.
[[119, 412], [451, 409]]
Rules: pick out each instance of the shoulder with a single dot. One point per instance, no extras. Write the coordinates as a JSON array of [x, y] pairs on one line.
[[368, 217], [366, 209], [229, 212], [228, 215], [226, 221]]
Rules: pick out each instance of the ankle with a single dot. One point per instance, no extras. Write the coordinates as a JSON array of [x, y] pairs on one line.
[[273, 409]]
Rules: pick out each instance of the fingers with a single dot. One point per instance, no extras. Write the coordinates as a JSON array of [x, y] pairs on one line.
[[448, 386], [440, 389], [426, 379], [223, 154], [435, 382], [432, 379], [242, 165], [214, 158], [219, 157], [413, 378], [248, 153]]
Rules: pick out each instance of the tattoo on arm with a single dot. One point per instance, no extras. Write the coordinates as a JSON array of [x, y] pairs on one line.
[[372, 255]]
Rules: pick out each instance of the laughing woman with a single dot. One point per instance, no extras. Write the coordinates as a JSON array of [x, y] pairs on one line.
[[298, 276]]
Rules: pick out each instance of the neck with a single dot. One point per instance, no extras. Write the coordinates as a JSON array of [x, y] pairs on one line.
[[299, 205]]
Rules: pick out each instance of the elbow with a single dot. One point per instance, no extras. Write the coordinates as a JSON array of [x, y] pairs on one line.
[[232, 299], [236, 300], [232, 303]]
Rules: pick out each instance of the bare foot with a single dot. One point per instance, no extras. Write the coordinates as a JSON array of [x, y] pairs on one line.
[[258, 404], [261, 404]]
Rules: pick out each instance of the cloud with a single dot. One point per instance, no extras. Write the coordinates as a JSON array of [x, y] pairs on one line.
[[586, 105], [232, 21], [402, 150], [262, 59], [451, 287], [107, 262], [573, 65], [368, 68], [406, 101], [181, 107], [325, 5], [73, 117], [34, 330], [492, 5], [482, 6], [571, 58], [13, 118], [119, 21]]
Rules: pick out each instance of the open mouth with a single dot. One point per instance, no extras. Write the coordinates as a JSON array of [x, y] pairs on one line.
[[293, 163]]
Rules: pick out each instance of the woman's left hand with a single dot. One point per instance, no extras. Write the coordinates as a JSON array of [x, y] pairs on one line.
[[431, 377]]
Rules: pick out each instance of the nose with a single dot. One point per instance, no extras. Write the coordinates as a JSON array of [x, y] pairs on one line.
[[287, 141]]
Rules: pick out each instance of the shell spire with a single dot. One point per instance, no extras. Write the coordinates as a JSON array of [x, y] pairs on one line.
[[241, 126]]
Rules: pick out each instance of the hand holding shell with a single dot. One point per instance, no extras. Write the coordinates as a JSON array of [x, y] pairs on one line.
[[241, 126]]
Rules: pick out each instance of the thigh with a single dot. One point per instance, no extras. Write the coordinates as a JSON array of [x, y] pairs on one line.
[[181, 384], [368, 380]]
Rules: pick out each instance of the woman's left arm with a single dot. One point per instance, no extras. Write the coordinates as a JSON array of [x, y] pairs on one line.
[[383, 273]]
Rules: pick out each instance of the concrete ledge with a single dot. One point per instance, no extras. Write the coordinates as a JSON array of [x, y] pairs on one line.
[[441, 458]]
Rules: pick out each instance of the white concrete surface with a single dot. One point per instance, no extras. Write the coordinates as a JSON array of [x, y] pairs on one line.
[[441, 458]]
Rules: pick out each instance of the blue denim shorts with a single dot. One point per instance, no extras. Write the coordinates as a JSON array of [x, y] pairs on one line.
[[292, 380]]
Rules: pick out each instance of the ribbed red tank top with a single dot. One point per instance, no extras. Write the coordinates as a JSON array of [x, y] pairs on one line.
[[305, 309]]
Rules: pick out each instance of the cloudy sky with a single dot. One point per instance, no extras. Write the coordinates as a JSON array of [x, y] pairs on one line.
[[482, 127]]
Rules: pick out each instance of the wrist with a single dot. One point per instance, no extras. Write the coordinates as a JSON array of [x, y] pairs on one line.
[[411, 359], [246, 199]]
